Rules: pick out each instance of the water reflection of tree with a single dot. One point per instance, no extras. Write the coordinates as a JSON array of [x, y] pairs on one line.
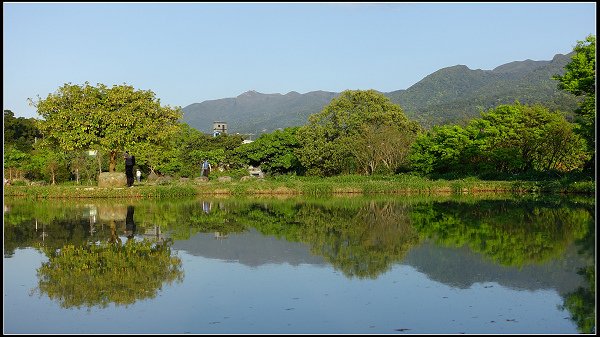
[[88, 263], [360, 239], [581, 303], [71, 222], [100, 274], [509, 232]]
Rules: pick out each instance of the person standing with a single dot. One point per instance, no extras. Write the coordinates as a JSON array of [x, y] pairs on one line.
[[138, 174], [205, 169], [129, 163]]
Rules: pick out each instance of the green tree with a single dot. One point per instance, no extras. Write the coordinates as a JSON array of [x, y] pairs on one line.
[[440, 150], [523, 138], [49, 163], [580, 80], [328, 142], [273, 152], [83, 166], [15, 162], [110, 120], [20, 132]]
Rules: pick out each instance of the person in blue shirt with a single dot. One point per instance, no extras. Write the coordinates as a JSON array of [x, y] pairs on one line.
[[205, 169]]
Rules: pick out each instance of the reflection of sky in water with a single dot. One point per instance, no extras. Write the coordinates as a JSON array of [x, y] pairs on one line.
[[224, 296]]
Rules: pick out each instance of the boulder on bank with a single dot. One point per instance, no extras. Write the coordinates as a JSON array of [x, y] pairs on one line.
[[152, 177], [199, 180], [112, 179]]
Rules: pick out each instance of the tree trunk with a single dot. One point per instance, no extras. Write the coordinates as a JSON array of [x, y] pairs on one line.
[[99, 159], [113, 161]]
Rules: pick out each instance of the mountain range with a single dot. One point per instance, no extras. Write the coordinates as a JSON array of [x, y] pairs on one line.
[[451, 95]]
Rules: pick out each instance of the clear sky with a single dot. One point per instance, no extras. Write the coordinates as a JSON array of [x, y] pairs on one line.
[[191, 52]]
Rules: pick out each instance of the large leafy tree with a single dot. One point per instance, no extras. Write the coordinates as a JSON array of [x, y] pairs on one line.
[[334, 140], [580, 80], [110, 120]]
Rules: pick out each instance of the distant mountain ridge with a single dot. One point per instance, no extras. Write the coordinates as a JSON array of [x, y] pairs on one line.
[[450, 95], [456, 94], [253, 112]]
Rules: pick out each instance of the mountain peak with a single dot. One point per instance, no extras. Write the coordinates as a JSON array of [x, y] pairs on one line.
[[249, 93]]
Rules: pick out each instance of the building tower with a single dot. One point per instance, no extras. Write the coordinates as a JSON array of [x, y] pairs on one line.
[[219, 128]]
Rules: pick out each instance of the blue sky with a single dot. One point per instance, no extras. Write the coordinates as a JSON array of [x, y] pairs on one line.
[[191, 52]]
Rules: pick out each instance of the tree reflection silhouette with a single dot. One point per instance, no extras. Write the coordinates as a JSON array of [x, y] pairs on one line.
[[97, 274]]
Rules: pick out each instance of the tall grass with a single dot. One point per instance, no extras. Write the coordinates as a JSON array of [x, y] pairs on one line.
[[310, 186]]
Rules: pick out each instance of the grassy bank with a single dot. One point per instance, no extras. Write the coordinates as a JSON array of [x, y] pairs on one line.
[[313, 186]]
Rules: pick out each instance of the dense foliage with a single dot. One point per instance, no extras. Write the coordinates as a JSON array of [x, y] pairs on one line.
[[508, 139], [273, 152], [19, 133], [580, 80]]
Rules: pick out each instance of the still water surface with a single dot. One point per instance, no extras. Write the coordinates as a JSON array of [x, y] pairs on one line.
[[385, 265]]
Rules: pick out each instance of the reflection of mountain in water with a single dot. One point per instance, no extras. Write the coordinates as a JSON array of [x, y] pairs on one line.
[[456, 267], [461, 268], [249, 248]]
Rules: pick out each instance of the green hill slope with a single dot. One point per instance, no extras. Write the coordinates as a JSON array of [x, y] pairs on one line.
[[450, 95]]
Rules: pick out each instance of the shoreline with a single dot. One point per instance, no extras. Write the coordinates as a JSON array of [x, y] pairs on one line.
[[302, 187]]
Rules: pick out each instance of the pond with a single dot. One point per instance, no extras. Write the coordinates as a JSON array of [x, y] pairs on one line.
[[339, 265]]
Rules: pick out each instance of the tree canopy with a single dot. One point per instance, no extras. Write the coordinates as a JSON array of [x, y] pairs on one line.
[[273, 152], [340, 138], [20, 133], [509, 139], [111, 120], [580, 80]]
